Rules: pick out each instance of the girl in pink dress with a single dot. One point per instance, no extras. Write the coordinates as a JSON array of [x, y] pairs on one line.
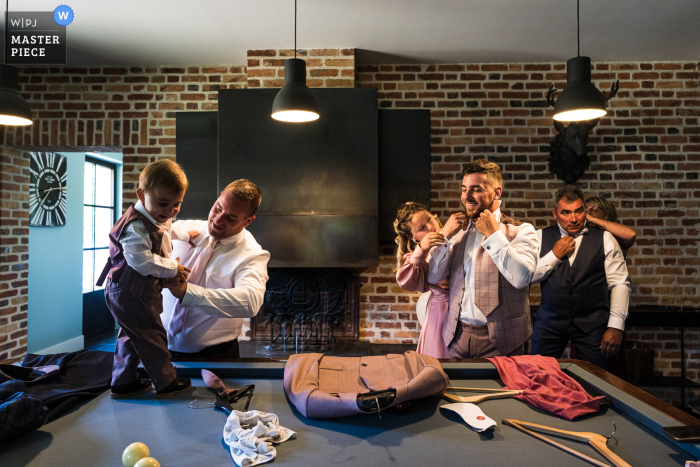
[[418, 231]]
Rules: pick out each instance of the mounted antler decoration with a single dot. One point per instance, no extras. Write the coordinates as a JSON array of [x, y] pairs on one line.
[[613, 90], [568, 155], [582, 105]]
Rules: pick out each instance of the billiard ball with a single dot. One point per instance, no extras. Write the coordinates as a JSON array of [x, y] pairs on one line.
[[147, 462], [133, 453]]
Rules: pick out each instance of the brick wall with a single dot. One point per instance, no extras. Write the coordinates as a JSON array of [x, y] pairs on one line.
[[325, 68], [14, 252], [645, 158], [131, 109], [646, 155]]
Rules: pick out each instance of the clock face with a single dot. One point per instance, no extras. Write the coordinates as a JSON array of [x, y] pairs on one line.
[[47, 191]]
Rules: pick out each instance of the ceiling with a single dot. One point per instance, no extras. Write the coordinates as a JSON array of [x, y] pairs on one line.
[[214, 32]]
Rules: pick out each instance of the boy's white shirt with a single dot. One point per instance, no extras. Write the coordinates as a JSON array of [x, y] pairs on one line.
[[137, 246]]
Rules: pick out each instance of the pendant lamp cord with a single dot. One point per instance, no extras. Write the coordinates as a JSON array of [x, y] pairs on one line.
[[295, 27], [578, 30], [4, 50]]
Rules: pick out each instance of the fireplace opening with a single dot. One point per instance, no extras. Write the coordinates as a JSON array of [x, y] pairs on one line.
[[308, 310]]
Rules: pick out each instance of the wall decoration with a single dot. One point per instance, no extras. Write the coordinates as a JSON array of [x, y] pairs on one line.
[[47, 189], [568, 156]]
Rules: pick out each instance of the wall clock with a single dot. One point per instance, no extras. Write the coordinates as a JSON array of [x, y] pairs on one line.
[[47, 191]]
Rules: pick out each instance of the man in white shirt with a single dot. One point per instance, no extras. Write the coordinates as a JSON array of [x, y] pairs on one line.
[[490, 264], [577, 267], [204, 317]]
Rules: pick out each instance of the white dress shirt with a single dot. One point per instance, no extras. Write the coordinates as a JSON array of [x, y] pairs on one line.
[[615, 273], [137, 246], [232, 286], [516, 260]]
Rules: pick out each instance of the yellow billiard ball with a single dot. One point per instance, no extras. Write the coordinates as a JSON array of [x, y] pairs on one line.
[[133, 453], [147, 462]]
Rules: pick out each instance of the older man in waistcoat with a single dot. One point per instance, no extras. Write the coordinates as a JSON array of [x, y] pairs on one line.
[[490, 263], [584, 284]]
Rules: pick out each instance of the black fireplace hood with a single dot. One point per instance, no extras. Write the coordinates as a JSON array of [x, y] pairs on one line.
[[330, 188], [319, 180]]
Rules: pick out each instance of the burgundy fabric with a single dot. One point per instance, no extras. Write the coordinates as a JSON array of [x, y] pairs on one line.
[[116, 262], [545, 386]]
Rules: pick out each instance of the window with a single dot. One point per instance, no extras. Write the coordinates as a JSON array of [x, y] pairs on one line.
[[100, 213]]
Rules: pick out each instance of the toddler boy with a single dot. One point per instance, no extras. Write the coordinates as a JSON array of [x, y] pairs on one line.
[[139, 258]]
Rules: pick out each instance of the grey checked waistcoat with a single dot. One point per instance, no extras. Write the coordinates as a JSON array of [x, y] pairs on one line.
[[505, 307]]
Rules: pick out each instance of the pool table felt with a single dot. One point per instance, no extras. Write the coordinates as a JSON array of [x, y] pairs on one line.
[[97, 433]]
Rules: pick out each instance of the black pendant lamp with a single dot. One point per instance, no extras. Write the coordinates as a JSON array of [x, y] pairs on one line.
[[294, 102], [580, 99], [14, 110]]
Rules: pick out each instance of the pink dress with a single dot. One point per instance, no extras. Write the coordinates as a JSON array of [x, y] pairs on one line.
[[412, 277]]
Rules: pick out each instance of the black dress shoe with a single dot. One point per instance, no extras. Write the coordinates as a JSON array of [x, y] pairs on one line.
[[180, 385], [120, 391]]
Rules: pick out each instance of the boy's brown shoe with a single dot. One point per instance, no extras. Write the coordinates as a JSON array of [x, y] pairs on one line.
[[180, 385], [122, 391]]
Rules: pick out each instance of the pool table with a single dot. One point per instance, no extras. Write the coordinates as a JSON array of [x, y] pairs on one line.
[[96, 433]]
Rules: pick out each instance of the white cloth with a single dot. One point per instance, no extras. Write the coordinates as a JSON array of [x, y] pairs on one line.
[[137, 246], [473, 415], [232, 286], [250, 436], [516, 260], [615, 274]]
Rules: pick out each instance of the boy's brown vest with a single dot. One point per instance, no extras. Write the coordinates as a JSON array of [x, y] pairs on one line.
[[116, 262]]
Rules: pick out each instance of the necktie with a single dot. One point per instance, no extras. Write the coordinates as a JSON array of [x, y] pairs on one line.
[[564, 233], [486, 276], [583, 231], [177, 321]]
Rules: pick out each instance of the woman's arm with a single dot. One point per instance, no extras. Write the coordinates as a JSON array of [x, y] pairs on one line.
[[411, 276], [623, 234]]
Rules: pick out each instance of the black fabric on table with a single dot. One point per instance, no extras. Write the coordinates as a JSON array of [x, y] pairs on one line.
[[20, 412], [57, 381]]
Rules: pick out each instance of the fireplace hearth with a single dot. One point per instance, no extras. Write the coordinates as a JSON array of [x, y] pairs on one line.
[[307, 309]]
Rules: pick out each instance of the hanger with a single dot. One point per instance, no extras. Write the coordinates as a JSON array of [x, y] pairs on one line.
[[456, 389], [224, 399], [495, 394], [598, 442]]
